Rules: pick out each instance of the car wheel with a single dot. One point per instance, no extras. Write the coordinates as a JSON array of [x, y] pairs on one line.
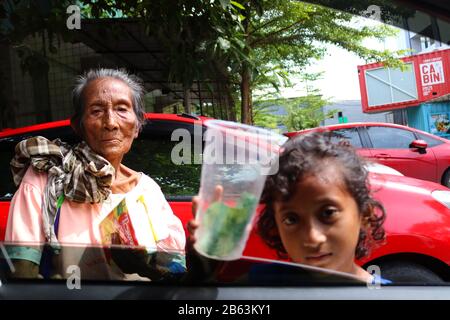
[[446, 178], [408, 272]]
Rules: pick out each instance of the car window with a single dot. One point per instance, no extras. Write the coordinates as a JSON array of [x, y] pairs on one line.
[[151, 153], [7, 145], [390, 138], [283, 65], [351, 135], [7, 187], [432, 142]]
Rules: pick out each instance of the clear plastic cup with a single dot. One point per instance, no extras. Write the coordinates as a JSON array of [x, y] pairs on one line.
[[236, 161]]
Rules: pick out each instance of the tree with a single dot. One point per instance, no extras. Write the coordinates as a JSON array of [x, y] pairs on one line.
[[45, 20], [240, 45], [271, 110], [264, 115], [284, 36], [305, 112], [192, 34]]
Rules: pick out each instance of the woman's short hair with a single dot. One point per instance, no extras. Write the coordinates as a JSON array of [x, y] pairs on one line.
[[134, 83]]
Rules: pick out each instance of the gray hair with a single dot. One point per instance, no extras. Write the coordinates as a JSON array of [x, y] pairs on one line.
[[134, 83]]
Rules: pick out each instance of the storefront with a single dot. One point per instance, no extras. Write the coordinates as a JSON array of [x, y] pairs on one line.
[[422, 88], [433, 117]]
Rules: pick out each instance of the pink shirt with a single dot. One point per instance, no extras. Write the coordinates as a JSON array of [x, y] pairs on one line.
[[156, 227]]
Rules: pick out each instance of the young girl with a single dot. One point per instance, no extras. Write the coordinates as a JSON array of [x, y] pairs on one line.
[[318, 208]]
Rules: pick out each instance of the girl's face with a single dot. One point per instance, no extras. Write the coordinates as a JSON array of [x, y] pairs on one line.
[[320, 224]]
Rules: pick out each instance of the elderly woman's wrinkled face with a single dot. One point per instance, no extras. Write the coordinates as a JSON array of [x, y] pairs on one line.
[[109, 121]]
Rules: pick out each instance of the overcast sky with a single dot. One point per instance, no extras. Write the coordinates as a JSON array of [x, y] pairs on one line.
[[340, 78]]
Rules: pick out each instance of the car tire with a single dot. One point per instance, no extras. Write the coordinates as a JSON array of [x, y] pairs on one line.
[[408, 272], [446, 178]]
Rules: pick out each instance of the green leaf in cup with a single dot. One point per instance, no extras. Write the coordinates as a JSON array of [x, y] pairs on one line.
[[224, 226]]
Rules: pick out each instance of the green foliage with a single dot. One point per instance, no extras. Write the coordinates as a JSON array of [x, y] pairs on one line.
[[153, 157], [224, 226], [20, 19], [31, 61], [263, 115], [282, 37], [192, 33], [301, 112], [218, 39], [289, 35], [305, 112]]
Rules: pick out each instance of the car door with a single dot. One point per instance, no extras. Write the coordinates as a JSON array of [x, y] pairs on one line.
[[391, 147], [354, 137]]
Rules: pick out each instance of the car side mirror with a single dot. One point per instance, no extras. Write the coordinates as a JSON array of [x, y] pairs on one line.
[[419, 144]]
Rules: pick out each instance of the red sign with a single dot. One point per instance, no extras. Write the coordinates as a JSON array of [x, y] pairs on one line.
[[431, 79], [432, 73]]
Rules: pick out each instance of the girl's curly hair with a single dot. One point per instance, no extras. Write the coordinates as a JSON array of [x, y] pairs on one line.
[[307, 154]]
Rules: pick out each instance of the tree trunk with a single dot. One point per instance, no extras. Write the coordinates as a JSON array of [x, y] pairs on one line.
[[245, 95], [222, 104], [250, 107], [230, 101], [187, 100], [200, 100], [41, 95]]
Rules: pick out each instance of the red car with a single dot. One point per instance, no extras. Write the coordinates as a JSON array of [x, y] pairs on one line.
[[418, 212], [414, 153]]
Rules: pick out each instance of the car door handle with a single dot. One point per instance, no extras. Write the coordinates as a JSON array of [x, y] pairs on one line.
[[382, 155]]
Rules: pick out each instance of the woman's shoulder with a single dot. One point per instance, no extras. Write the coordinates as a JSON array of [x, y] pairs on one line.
[[125, 181], [146, 182], [133, 181], [35, 178]]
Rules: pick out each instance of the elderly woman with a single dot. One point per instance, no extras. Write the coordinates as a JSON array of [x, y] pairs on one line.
[[73, 197]]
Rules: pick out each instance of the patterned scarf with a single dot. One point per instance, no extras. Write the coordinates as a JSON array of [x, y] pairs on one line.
[[77, 173]]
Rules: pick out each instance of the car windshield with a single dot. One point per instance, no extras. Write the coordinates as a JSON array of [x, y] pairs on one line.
[[378, 70]]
